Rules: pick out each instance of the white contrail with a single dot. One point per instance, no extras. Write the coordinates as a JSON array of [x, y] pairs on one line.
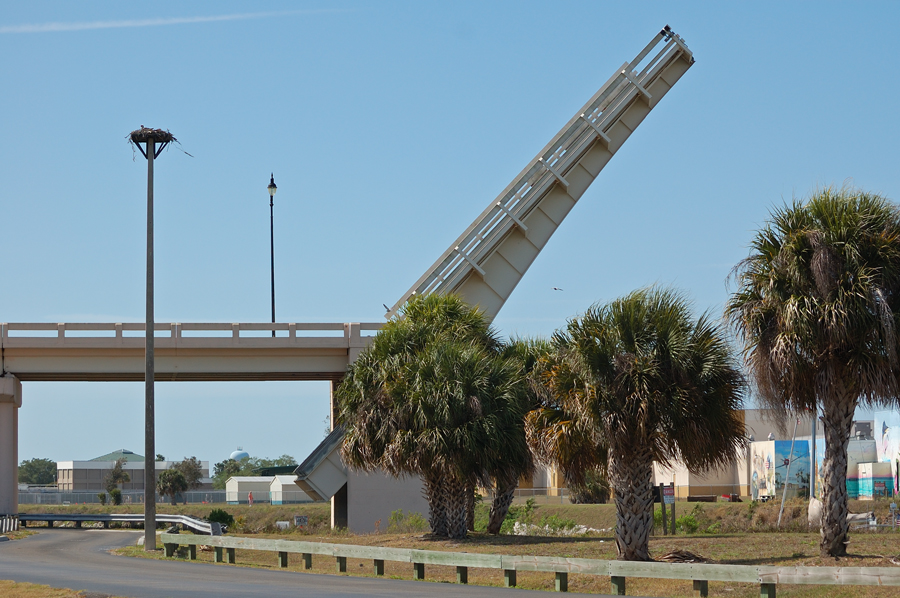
[[53, 27]]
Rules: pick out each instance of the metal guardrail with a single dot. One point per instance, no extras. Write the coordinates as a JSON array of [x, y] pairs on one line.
[[203, 527], [136, 497], [9, 523], [700, 574]]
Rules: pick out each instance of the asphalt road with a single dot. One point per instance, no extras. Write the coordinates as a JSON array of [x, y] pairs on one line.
[[79, 559]]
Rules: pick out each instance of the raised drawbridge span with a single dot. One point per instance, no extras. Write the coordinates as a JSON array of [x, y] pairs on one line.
[[483, 266], [488, 260]]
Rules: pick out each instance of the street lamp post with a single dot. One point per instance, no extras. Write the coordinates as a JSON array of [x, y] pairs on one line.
[[150, 138], [272, 189]]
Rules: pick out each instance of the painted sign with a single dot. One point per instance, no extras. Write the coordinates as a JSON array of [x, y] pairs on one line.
[[669, 495], [773, 465]]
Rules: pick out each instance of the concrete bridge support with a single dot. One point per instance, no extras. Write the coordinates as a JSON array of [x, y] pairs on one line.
[[10, 401]]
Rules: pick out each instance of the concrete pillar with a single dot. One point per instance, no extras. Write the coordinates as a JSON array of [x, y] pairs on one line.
[[10, 401]]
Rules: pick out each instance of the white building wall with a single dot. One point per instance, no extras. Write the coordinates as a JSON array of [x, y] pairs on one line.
[[372, 497]]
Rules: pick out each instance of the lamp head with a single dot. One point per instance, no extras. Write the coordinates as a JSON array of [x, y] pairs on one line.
[[272, 187]]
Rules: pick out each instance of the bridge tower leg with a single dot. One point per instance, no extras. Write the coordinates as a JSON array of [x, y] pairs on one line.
[[10, 401]]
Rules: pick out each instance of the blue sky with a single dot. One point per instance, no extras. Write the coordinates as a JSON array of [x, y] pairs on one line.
[[389, 127]]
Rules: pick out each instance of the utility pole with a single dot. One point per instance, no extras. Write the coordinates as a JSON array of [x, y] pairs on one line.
[[150, 138], [272, 188]]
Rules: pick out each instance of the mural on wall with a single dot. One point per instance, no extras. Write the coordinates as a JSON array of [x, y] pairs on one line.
[[773, 464], [887, 437], [858, 451]]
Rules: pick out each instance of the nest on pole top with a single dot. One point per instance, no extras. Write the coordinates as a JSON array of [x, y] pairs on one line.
[[145, 135]]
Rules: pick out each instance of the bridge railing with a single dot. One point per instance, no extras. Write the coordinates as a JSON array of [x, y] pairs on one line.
[[176, 330]]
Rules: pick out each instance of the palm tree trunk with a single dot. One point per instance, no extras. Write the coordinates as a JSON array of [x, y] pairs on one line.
[[470, 507], [631, 474], [455, 506], [500, 506], [437, 513], [837, 418]]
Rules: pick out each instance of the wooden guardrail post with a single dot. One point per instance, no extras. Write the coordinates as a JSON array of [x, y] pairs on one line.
[[509, 578], [282, 559], [192, 552], [378, 566], [170, 549], [462, 575], [767, 590], [307, 560], [618, 585], [562, 581], [341, 562], [219, 552], [419, 571], [229, 556], [701, 588]]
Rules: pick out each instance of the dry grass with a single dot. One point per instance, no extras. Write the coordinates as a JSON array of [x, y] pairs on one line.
[[11, 589]]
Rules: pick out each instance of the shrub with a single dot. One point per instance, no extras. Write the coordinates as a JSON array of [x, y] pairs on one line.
[[115, 496], [521, 513], [555, 523], [221, 516], [406, 523], [687, 524], [102, 497]]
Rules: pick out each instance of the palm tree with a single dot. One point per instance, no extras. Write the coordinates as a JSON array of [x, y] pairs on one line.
[[654, 384], [434, 396], [517, 460], [816, 309], [561, 439], [170, 483]]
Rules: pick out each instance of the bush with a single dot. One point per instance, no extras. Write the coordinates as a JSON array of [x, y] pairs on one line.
[[115, 496], [221, 516], [521, 513], [687, 524], [406, 523], [556, 524], [102, 497]]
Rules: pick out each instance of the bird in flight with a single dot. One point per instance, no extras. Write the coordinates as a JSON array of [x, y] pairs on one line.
[[557, 289], [386, 308]]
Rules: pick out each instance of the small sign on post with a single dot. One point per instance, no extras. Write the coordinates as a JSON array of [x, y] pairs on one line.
[[669, 495], [301, 521]]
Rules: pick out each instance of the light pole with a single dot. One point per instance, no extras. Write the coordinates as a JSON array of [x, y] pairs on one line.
[[272, 189], [150, 137]]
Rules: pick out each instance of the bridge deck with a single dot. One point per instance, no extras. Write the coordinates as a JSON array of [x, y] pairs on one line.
[[188, 351]]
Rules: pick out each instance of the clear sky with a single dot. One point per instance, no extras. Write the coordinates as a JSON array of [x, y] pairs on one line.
[[390, 126]]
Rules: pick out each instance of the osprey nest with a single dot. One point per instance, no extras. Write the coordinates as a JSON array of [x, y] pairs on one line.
[[144, 134]]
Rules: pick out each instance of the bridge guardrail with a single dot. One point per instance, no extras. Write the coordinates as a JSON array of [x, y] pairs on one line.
[[699, 573], [176, 329]]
